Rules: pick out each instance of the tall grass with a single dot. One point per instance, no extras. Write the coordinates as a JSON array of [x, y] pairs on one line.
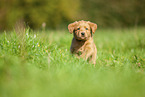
[[39, 64]]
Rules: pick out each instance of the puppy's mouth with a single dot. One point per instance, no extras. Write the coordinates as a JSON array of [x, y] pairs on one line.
[[82, 38]]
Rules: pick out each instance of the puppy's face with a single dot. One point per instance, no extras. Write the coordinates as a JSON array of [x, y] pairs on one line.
[[82, 30]]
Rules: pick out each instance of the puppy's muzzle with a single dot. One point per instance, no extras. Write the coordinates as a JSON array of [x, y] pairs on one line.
[[83, 34]]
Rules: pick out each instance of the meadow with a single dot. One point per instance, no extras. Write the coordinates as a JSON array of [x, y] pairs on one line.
[[39, 64]]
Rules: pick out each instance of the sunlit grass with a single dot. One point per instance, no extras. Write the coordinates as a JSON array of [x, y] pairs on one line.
[[40, 64]]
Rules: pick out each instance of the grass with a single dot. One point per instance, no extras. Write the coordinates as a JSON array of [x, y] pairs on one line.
[[38, 64]]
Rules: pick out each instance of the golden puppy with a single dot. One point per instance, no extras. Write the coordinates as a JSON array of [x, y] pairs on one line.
[[82, 43]]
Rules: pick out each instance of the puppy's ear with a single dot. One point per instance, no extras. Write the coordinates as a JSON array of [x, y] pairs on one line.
[[71, 27], [93, 26]]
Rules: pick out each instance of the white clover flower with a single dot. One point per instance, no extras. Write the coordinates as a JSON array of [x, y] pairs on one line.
[[34, 35], [26, 33]]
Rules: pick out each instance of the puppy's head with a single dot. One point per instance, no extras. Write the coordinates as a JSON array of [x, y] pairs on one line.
[[82, 29]]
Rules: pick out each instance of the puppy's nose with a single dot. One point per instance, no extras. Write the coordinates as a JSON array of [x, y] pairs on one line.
[[83, 33]]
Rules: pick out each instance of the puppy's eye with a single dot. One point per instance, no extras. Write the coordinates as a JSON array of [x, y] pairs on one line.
[[78, 28], [86, 28]]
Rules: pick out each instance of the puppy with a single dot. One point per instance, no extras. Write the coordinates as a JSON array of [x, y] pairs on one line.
[[82, 43]]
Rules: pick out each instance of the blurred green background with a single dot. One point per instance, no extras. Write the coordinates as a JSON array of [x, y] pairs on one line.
[[57, 14]]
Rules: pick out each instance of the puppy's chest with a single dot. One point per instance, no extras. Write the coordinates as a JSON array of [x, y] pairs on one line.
[[79, 49]]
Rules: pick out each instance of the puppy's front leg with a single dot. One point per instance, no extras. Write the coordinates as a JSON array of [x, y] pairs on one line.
[[93, 59], [86, 54]]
